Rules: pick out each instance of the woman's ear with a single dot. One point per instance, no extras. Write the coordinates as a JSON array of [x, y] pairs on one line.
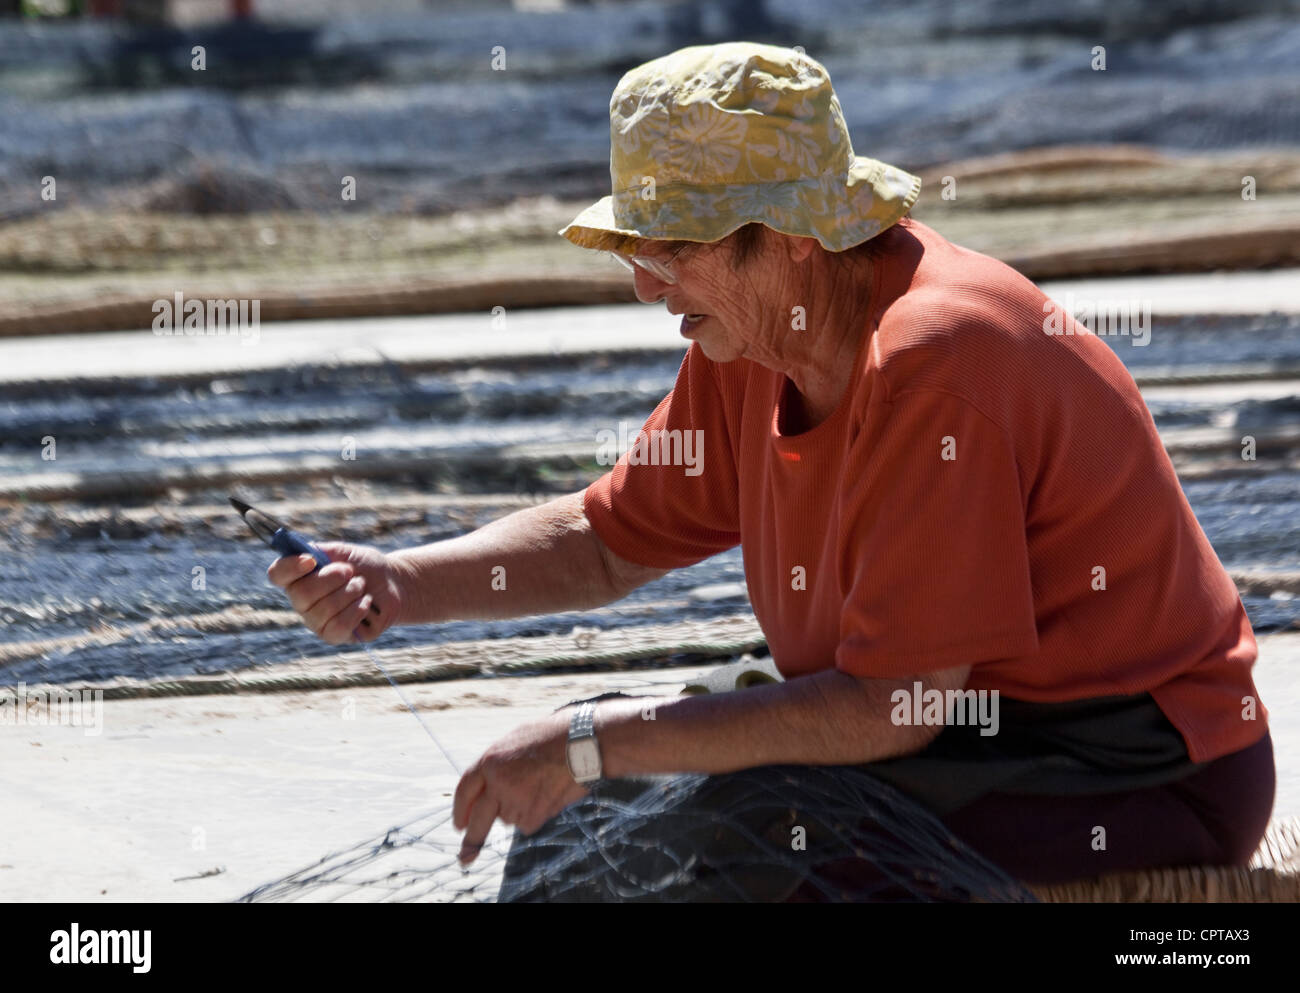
[[800, 247]]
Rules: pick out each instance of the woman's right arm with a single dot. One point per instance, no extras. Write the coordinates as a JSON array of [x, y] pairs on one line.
[[539, 560]]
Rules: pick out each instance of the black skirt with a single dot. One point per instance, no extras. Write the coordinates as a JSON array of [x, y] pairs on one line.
[[1080, 747]]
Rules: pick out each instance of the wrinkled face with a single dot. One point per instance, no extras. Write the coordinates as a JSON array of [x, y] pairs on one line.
[[722, 304]]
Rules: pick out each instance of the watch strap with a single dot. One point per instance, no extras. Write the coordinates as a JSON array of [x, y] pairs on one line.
[[582, 728]]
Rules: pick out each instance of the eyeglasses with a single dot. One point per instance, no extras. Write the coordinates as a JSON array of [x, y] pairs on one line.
[[658, 269]]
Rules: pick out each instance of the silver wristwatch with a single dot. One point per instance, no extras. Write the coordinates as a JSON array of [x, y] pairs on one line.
[[582, 752]]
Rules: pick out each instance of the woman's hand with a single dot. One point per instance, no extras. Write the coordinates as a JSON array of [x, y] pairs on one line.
[[357, 597], [523, 779]]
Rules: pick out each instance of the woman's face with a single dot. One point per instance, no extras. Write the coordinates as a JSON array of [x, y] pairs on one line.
[[721, 305]]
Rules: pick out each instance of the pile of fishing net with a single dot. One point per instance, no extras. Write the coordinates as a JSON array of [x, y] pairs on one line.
[[769, 834]]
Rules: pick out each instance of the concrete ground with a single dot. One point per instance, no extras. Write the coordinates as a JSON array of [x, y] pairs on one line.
[[260, 784], [264, 785]]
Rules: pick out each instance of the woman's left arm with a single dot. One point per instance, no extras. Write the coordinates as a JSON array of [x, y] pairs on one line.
[[829, 718]]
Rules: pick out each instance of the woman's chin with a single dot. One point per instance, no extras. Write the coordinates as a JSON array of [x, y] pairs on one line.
[[689, 327], [715, 350]]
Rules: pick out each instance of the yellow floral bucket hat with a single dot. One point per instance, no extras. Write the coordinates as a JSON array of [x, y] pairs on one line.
[[712, 137]]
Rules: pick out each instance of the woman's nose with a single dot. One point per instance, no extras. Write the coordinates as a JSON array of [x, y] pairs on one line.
[[648, 288]]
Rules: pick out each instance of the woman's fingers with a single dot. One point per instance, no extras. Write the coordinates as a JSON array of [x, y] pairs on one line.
[[366, 628], [320, 595], [289, 568], [345, 626], [481, 817], [329, 598], [335, 615], [311, 591], [473, 810], [468, 790]]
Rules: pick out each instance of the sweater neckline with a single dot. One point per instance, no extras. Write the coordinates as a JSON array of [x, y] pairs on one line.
[[792, 444]]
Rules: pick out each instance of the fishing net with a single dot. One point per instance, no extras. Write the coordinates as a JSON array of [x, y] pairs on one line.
[[769, 834]]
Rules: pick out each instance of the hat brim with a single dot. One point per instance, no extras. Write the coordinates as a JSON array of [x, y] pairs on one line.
[[853, 219], [595, 228]]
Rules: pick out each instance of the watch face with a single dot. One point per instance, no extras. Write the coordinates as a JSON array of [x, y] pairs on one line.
[[584, 759]]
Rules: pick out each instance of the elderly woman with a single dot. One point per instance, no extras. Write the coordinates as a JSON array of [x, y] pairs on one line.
[[930, 492]]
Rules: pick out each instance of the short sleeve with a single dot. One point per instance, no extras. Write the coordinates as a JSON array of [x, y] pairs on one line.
[[671, 499], [935, 557]]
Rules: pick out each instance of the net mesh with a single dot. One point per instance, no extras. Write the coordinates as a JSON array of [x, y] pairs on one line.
[[770, 834]]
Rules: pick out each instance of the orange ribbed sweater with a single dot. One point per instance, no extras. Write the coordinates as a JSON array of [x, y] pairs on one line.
[[978, 484]]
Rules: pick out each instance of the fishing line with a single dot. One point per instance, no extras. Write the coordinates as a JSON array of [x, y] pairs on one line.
[[286, 541], [427, 730]]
